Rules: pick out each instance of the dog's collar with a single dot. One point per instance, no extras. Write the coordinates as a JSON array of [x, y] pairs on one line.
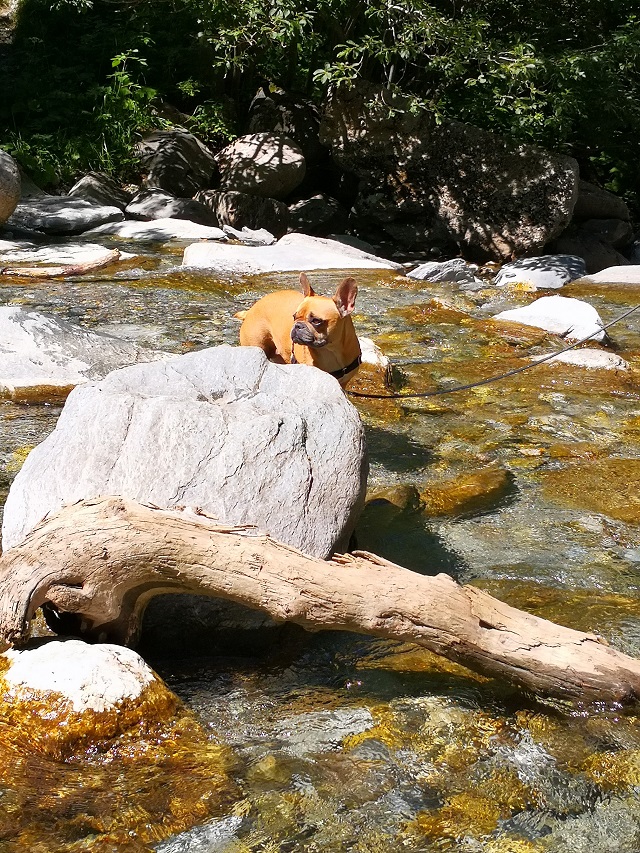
[[357, 361]]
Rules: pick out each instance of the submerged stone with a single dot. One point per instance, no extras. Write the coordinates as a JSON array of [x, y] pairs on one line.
[[609, 486], [477, 492], [591, 359]]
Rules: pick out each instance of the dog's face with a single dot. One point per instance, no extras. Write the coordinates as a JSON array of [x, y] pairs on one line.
[[317, 317]]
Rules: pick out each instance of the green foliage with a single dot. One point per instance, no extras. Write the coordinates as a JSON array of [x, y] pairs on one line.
[[87, 77]]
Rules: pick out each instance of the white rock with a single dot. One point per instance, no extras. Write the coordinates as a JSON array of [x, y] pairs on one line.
[[249, 236], [372, 354], [277, 446], [569, 318], [90, 677], [61, 215], [592, 359], [545, 272], [41, 355], [293, 252], [616, 275], [159, 230], [64, 253], [456, 270]]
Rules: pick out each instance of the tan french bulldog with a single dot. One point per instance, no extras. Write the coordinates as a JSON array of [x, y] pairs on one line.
[[314, 330]]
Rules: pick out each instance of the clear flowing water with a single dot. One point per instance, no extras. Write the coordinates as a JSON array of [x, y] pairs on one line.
[[527, 487]]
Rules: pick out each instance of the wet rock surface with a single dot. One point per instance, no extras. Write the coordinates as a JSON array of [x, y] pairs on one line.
[[43, 357], [221, 429]]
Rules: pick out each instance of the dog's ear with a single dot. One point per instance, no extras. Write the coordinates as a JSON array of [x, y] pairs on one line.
[[305, 286], [345, 296]]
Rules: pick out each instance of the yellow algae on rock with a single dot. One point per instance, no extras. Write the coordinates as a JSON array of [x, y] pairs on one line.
[[106, 755], [477, 811], [463, 814], [608, 486], [614, 770], [476, 492], [17, 458], [405, 657], [511, 844], [403, 496], [434, 311]]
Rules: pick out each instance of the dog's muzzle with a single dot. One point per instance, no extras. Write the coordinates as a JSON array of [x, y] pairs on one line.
[[302, 334]]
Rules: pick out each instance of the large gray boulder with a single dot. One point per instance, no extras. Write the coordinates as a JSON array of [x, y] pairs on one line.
[[597, 254], [99, 188], [158, 204], [596, 203], [454, 184], [242, 210], [223, 429], [176, 161], [262, 164], [319, 215], [42, 357], [277, 111], [293, 252], [9, 185], [62, 215]]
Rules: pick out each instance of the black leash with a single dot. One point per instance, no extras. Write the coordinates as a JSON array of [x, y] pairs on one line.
[[480, 382]]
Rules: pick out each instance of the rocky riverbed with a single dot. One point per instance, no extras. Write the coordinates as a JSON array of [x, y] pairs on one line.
[[526, 487]]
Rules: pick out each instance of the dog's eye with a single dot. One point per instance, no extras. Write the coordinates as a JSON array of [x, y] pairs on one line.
[[316, 321]]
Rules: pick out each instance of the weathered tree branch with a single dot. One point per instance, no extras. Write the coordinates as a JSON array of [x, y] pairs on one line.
[[106, 558]]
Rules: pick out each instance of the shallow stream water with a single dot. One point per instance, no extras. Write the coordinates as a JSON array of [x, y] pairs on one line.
[[528, 488]]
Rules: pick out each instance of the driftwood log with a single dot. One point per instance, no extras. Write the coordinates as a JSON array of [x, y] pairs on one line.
[[108, 257], [104, 559]]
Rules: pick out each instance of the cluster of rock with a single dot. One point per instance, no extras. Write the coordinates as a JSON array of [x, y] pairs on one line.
[[365, 165]]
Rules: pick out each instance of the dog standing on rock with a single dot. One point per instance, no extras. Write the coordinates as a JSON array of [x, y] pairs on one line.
[[316, 330]]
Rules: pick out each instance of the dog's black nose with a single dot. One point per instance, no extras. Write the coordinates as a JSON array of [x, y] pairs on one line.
[[301, 333]]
